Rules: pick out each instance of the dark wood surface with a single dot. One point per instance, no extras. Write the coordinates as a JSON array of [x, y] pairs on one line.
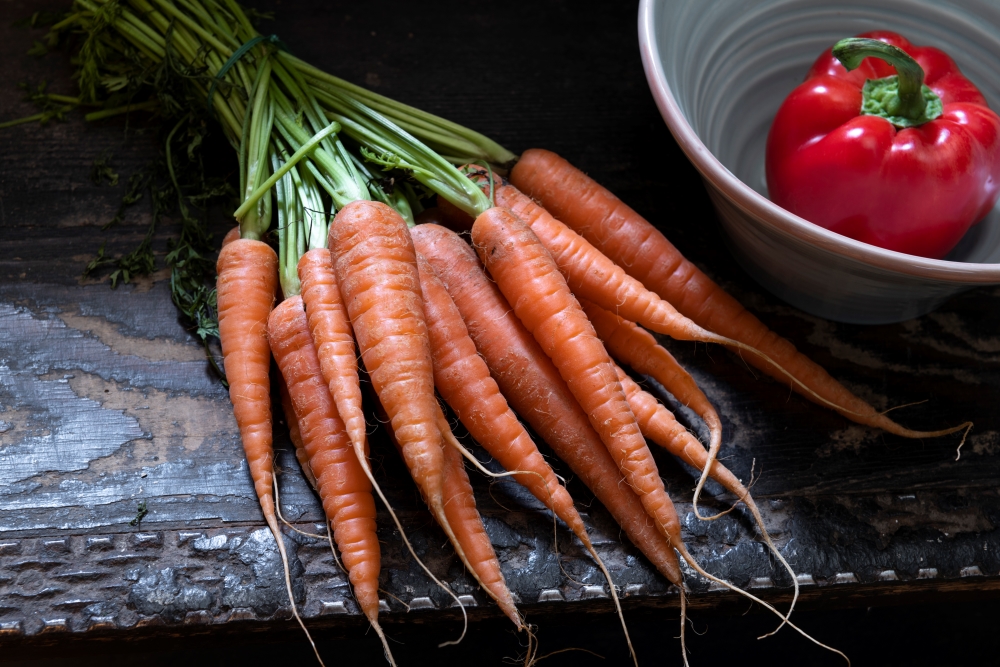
[[106, 399]]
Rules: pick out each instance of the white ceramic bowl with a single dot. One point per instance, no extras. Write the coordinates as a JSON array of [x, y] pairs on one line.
[[719, 70]]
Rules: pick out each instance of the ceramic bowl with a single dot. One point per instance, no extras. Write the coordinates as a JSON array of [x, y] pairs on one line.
[[719, 70]]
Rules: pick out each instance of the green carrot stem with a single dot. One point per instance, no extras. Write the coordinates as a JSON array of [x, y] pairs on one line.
[[171, 9], [497, 153], [30, 119], [107, 113], [298, 155], [287, 259]]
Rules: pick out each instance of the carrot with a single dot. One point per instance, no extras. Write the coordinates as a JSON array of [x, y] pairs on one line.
[[531, 281], [463, 380], [246, 287], [630, 241], [334, 341], [376, 269], [535, 390], [460, 508], [232, 235], [343, 488], [630, 344]]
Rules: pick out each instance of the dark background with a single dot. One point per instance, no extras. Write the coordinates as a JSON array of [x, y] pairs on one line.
[[565, 76]]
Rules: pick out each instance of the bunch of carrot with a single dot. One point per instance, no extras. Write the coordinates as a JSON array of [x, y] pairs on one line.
[[561, 283]]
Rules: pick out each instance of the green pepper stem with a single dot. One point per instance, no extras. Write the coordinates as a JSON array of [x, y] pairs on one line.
[[851, 51]]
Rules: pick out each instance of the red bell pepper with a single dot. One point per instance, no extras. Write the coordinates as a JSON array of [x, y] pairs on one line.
[[907, 163]]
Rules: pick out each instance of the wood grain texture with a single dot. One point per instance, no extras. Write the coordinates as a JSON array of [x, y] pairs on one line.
[[105, 399]]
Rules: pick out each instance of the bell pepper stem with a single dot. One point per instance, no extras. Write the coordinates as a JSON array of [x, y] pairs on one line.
[[911, 100]]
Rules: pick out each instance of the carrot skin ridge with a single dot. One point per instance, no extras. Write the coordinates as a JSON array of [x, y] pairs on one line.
[[630, 241], [535, 390], [246, 288]]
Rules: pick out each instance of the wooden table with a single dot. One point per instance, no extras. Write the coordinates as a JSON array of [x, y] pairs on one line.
[[106, 400]]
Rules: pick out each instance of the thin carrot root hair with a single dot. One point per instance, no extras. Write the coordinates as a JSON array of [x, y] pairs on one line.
[[565, 650], [385, 642], [277, 510], [684, 650], [686, 555], [276, 531], [614, 597], [889, 425]]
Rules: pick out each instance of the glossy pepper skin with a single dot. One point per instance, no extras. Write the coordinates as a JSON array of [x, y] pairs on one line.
[[915, 190]]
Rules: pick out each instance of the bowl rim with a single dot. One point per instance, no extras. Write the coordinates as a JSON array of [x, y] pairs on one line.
[[769, 213]]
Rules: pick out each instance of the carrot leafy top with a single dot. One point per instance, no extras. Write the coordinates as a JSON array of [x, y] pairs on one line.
[[308, 142]]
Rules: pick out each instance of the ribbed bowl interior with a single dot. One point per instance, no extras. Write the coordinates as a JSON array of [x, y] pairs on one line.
[[730, 64]]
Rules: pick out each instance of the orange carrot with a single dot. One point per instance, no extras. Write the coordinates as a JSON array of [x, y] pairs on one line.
[[247, 283], [334, 340], [630, 241], [342, 485], [376, 269], [535, 390], [232, 235], [246, 287], [460, 508], [630, 344]]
